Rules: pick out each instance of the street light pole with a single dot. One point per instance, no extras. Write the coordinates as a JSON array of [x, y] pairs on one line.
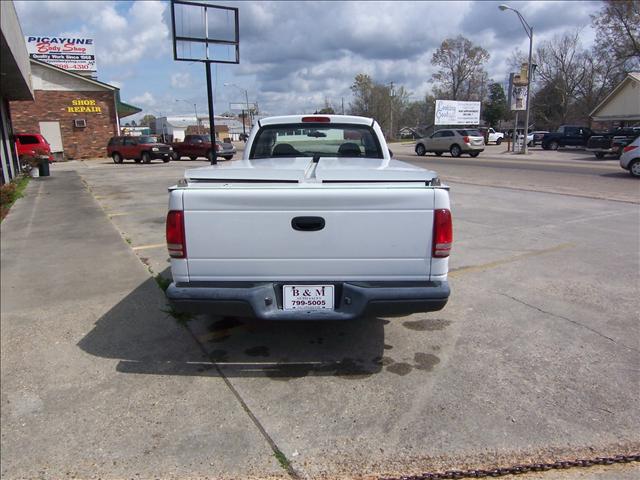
[[195, 111], [529, 31]]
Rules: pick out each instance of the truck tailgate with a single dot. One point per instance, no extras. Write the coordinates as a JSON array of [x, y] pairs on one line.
[[370, 233]]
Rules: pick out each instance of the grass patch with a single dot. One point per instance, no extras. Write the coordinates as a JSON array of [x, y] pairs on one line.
[[282, 460], [181, 317], [162, 282], [10, 192]]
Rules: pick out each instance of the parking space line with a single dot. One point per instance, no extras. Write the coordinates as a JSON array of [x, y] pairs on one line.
[[119, 214], [478, 268], [147, 247]]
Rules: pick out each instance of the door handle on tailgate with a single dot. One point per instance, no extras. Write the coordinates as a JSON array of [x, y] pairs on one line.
[[307, 224]]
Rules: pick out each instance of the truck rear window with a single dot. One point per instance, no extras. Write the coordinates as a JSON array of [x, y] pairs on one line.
[[311, 139]]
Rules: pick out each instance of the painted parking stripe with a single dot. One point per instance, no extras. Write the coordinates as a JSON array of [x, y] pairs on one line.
[[147, 247], [478, 268]]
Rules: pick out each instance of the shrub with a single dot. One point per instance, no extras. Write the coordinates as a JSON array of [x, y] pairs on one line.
[[9, 193]]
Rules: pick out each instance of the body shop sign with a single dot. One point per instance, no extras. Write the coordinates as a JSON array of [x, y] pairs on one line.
[[452, 112], [69, 53]]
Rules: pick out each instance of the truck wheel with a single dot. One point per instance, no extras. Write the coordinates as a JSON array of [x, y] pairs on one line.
[[455, 150], [634, 168], [499, 141], [146, 158], [166, 159], [438, 154], [228, 157], [474, 154], [117, 158], [599, 155], [530, 144], [420, 150], [192, 158], [554, 145], [137, 160]]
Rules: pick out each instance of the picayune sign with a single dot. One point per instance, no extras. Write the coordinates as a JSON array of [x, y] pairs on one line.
[[69, 53]]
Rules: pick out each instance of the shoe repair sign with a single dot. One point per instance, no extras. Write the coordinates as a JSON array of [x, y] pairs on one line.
[[68, 53]]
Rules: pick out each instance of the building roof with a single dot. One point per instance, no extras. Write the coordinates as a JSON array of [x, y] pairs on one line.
[[623, 103], [124, 109], [15, 69]]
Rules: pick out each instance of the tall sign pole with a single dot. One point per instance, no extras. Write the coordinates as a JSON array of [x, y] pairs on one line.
[[212, 126], [196, 25]]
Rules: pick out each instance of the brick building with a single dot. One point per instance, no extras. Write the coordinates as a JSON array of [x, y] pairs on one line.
[[75, 113]]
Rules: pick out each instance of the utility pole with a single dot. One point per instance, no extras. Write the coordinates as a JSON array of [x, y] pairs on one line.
[[342, 105], [391, 111]]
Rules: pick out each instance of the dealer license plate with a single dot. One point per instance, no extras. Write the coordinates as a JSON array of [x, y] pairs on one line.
[[308, 297]]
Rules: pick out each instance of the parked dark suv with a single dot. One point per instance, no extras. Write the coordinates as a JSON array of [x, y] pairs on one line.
[[141, 149]]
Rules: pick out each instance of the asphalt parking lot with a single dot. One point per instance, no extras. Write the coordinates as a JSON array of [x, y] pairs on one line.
[[536, 356]]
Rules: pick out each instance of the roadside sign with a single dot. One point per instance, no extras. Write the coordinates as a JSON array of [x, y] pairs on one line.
[[235, 106], [69, 53], [453, 112]]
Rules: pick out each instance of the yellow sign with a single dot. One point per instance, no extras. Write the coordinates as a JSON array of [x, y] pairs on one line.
[[84, 106]]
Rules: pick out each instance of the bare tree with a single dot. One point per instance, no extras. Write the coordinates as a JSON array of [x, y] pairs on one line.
[[617, 32], [561, 68], [461, 70]]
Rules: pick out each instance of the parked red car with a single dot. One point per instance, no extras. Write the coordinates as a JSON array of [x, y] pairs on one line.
[[33, 144], [142, 148]]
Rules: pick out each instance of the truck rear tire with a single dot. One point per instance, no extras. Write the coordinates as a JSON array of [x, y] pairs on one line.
[[474, 154], [499, 141], [553, 145], [193, 158]]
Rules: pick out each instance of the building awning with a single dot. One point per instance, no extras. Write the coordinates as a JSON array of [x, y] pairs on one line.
[[124, 109]]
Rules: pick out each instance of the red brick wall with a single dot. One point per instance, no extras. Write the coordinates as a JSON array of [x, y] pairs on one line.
[[52, 106]]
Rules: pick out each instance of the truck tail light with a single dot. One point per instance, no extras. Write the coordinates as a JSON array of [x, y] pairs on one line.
[[175, 234], [442, 233], [628, 148], [316, 119], [465, 139]]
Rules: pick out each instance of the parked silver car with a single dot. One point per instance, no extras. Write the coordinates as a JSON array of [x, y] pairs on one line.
[[453, 140], [225, 150], [630, 158]]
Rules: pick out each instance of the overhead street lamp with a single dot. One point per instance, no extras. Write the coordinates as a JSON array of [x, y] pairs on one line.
[[246, 99], [529, 30], [195, 110]]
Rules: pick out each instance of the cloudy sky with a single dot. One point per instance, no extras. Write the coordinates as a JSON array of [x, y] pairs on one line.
[[294, 55]]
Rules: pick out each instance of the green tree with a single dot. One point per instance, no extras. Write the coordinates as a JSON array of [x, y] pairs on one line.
[[496, 107], [148, 121], [461, 75]]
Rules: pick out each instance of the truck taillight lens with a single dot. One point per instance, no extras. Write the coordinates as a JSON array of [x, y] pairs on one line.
[[628, 148], [465, 139], [175, 234], [316, 119], [442, 233]]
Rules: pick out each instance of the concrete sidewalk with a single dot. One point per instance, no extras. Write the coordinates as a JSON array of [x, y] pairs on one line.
[[75, 302]]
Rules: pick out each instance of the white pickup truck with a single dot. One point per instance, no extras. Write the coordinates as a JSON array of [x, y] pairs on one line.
[[493, 136], [316, 222]]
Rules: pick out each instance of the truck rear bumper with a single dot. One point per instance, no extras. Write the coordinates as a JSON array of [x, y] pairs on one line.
[[264, 300]]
